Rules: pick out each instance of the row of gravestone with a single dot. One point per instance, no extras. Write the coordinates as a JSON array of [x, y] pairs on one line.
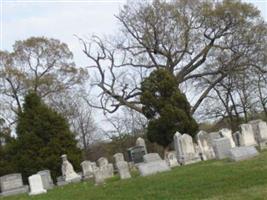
[[237, 146], [219, 145], [39, 183], [12, 184]]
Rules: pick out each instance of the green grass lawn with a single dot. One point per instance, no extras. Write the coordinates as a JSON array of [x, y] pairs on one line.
[[204, 180]]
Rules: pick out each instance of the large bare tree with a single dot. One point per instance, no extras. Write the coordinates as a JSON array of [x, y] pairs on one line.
[[200, 42]]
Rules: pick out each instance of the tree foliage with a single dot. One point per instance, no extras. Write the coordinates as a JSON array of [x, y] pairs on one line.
[[43, 136], [166, 108], [39, 64]]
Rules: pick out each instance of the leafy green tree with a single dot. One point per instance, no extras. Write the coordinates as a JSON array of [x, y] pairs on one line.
[[42, 136], [39, 64], [166, 108]]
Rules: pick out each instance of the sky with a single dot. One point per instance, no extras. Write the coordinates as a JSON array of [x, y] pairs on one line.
[[63, 19]]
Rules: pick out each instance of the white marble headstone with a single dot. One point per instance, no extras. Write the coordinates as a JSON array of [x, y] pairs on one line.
[[247, 135], [225, 132], [141, 142], [36, 185]]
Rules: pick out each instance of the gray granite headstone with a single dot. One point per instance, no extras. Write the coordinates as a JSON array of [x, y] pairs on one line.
[[222, 147], [243, 153], [136, 154], [12, 184], [46, 179]]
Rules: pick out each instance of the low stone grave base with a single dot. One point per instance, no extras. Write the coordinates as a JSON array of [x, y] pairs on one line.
[[20, 190], [153, 167], [243, 153]]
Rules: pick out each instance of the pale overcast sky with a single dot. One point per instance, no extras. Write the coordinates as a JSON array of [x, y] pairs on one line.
[[62, 19]]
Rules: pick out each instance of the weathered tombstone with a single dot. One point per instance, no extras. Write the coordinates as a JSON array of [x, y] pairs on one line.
[[99, 177], [87, 169], [136, 154], [243, 153], [36, 184], [246, 135], [260, 132], [141, 142], [225, 132], [185, 150], [46, 179], [105, 168], [222, 147], [205, 146], [118, 157], [154, 164], [102, 161], [68, 173], [171, 159], [151, 157], [12, 184], [123, 169]]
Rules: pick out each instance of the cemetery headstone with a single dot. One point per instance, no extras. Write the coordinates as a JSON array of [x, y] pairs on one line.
[[141, 142], [154, 164], [118, 157], [260, 132], [36, 184], [185, 150], [247, 135], [205, 146], [87, 169], [136, 154], [123, 169], [99, 177], [151, 157], [105, 168], [225, 132], [243, 153], [12, 184], [46, 179], [171, 159], [222, 147], [102, 161]]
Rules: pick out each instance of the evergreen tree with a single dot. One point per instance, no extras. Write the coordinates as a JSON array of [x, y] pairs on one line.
[[43, 136], [166, 108]]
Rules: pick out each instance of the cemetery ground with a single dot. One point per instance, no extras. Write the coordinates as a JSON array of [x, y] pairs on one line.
[[205, 180]]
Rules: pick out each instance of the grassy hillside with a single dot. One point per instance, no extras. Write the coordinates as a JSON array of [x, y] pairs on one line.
[[206, 180]]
